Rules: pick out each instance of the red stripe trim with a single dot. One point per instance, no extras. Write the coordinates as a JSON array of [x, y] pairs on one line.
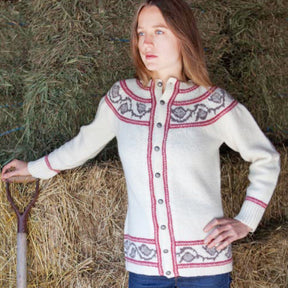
[[198, 99], [49, 165], [184, 91], [165, 179], [200, 265], [141, 240], [208, 122], [151, 181], [131, 94], [124, 119], [142, 263], [190, 243], [257, 201]]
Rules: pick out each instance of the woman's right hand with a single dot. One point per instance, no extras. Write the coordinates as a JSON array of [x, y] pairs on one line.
[[15, 168]]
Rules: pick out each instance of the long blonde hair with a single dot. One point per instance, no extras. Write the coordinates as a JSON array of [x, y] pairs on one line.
[[180, 19]]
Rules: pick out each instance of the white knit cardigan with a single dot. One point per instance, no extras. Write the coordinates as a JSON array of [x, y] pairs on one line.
[[169, 148]]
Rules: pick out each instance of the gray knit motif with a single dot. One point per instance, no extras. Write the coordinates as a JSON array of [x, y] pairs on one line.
[[201, 111], [139, 251], [202, 254], [127, 106]]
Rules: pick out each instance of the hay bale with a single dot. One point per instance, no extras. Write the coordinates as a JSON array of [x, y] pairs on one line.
[[76, 230], [245, 46], [73, 62], [79, 49], [261, 262], [72, 231], [13, 63]]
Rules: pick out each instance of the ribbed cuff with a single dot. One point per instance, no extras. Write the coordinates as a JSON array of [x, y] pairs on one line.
[[250, 214], [39, 169]]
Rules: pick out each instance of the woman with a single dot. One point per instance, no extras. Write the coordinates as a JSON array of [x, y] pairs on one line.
[[169, 123]]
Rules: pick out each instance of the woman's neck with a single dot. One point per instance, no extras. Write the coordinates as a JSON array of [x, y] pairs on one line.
[[164, 79], [165, 75]]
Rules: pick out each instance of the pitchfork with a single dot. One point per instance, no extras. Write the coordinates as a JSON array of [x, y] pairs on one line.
[[21, 267]]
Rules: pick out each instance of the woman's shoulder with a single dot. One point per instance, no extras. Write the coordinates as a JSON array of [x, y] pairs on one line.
[[131, 89], [201, 106], [130, 82], [191, 92]]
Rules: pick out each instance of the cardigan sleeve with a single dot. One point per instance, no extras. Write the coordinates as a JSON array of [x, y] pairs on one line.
[[87, 144], [242, 134]]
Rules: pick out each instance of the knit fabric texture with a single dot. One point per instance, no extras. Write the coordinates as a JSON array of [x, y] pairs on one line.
[[168, 144]]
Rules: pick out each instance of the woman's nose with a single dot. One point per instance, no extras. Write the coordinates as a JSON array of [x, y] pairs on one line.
[[148, 40]]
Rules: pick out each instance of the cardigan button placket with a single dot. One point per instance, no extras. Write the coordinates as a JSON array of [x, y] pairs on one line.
[[160, 121]]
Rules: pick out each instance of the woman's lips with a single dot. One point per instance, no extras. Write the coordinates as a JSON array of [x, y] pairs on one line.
[[150, 56]]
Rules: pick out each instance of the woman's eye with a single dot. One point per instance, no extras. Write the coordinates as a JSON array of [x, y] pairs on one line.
[[159, 32], [140, 34]]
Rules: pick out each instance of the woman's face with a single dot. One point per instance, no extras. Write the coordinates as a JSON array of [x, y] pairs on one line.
[[159, 48]]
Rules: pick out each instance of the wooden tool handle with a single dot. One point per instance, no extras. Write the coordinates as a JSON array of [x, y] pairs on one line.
[[22, 217], [21, 260], [22, 228]]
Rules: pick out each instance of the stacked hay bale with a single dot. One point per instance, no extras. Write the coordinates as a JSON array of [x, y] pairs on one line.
[[72, 55], [246, 47], [14, 47], [57, 58]]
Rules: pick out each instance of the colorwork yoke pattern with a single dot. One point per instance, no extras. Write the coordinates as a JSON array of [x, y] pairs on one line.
[[168, 144]]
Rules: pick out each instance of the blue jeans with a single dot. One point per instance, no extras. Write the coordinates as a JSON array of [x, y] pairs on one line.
[[145, 281]]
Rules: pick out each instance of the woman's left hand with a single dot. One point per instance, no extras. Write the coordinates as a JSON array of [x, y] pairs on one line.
[[224, 231]]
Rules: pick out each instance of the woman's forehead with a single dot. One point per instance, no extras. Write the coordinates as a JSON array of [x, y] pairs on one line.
[[151, 16]]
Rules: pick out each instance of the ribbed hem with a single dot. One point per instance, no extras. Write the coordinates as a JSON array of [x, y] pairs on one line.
[[39, 169], [184, 272], [250, 214]]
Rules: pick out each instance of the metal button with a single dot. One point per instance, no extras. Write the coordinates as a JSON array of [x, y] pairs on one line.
[[160, 201], [163, 227], [159, 84], [157, 148], [165, 251], [162, 102], [168, 273], [159, 125], [157, 175]]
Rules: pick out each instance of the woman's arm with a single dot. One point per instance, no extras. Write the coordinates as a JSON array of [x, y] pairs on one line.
[[240, 132], [87, 144]]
